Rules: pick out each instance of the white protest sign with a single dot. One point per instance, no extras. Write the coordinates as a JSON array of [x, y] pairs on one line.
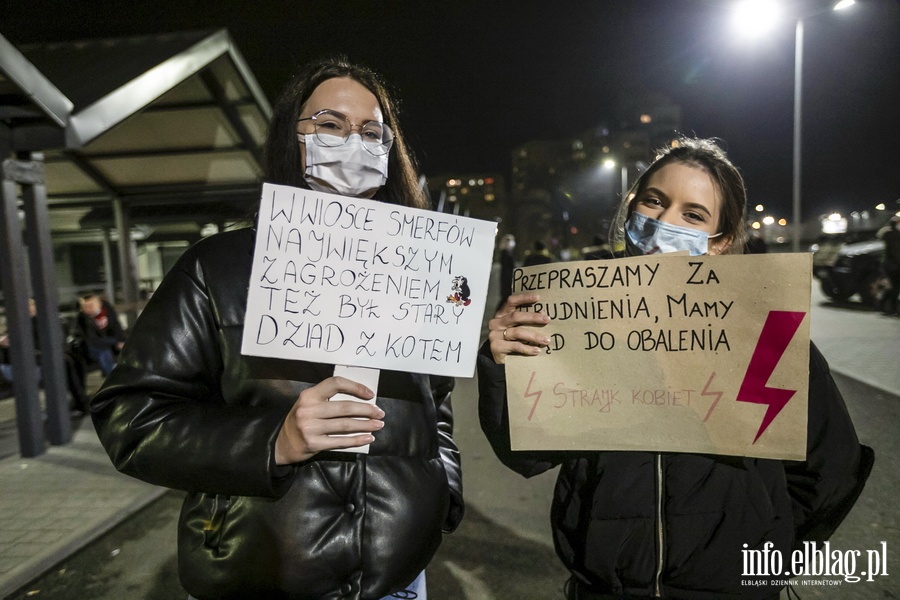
[[364, 283], [667, 353]]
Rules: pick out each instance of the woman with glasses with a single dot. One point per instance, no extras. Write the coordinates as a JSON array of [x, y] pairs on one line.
[[665, 524], [271, 511]]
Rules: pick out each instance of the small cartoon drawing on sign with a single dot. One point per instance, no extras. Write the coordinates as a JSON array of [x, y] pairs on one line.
[[460, 289]]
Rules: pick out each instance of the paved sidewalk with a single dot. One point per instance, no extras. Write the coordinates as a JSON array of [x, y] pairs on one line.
[[857, 343], [53, 505]]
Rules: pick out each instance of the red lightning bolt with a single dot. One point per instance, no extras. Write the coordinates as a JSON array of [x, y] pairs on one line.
[[776, 334], [529, 394], [718, 396]]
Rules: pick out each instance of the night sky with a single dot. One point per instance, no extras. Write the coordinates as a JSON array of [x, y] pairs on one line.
[[476, 79]]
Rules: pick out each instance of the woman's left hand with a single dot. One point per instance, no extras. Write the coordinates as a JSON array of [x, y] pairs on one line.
[[512, 331]]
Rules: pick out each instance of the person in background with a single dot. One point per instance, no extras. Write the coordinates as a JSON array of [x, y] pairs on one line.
[[103, 334], [538, 255], [271, 510], [668, 524], [73, 364], [598, 250], [890, 264], [6, 371], [507, 264]]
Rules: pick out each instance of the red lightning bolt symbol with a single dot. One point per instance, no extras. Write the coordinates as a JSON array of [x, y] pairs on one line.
[[776, 334], [718, 396], [529, 394]]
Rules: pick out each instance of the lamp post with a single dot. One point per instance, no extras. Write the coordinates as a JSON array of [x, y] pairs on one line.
[[760, 11], [611, 164], [798, 121]]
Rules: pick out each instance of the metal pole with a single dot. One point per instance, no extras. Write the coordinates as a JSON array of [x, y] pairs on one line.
[[127, 266], [46, 294], [108, 266], [29, 421], [798, 121], [624, 181]]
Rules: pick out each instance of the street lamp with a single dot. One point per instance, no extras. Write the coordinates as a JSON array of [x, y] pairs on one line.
[[761, 12], [611, 164]]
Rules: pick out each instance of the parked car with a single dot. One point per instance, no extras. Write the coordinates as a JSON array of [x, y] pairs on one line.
[[846, 266]]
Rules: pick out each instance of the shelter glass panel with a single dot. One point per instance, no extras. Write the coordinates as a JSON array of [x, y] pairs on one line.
[[255, 122], [63, 177], [231, 81], [167, 129], [189, 91], [210, 168]]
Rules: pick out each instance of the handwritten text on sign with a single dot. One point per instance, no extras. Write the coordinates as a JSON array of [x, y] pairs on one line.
[[365, 283], [667, 353]]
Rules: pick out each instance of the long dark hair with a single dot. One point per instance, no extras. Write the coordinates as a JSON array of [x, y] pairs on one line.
[[705, 154], [282, 152]]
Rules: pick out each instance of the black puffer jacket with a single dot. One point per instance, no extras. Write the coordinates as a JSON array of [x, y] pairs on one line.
[[184, 409], [673, 525]]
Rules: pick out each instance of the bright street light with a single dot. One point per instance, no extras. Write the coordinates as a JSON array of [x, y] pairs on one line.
[[611, 164], [756, 13], [755, 17]]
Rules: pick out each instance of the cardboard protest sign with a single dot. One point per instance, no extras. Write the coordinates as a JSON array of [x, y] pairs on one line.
[[357, 282], [705, 354]]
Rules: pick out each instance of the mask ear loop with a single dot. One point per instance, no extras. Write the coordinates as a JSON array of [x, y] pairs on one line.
[[717, 248]]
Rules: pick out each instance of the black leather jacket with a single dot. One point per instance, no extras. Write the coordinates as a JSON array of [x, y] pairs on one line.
[[674, 525], [184, 409]]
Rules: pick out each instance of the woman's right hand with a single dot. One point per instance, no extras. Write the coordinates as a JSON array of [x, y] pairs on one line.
[[511, 331], [314, 419]]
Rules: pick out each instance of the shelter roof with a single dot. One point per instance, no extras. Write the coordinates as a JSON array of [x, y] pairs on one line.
[[173, 119]]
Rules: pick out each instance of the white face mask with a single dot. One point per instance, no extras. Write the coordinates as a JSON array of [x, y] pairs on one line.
[[350, 169], [646, 235]]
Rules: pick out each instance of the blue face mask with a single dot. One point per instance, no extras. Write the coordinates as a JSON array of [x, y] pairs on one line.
[[646, 235]]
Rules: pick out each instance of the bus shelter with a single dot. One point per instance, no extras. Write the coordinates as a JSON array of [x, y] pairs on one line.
[[112, 140]]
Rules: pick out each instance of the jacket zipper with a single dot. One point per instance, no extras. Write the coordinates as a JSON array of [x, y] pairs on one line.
[[660, 533]]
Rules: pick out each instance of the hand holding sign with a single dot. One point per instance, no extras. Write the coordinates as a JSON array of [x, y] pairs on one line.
[[308, 428], [510, 331]]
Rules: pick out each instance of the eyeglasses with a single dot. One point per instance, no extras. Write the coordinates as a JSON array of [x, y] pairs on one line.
[[333, 129]]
